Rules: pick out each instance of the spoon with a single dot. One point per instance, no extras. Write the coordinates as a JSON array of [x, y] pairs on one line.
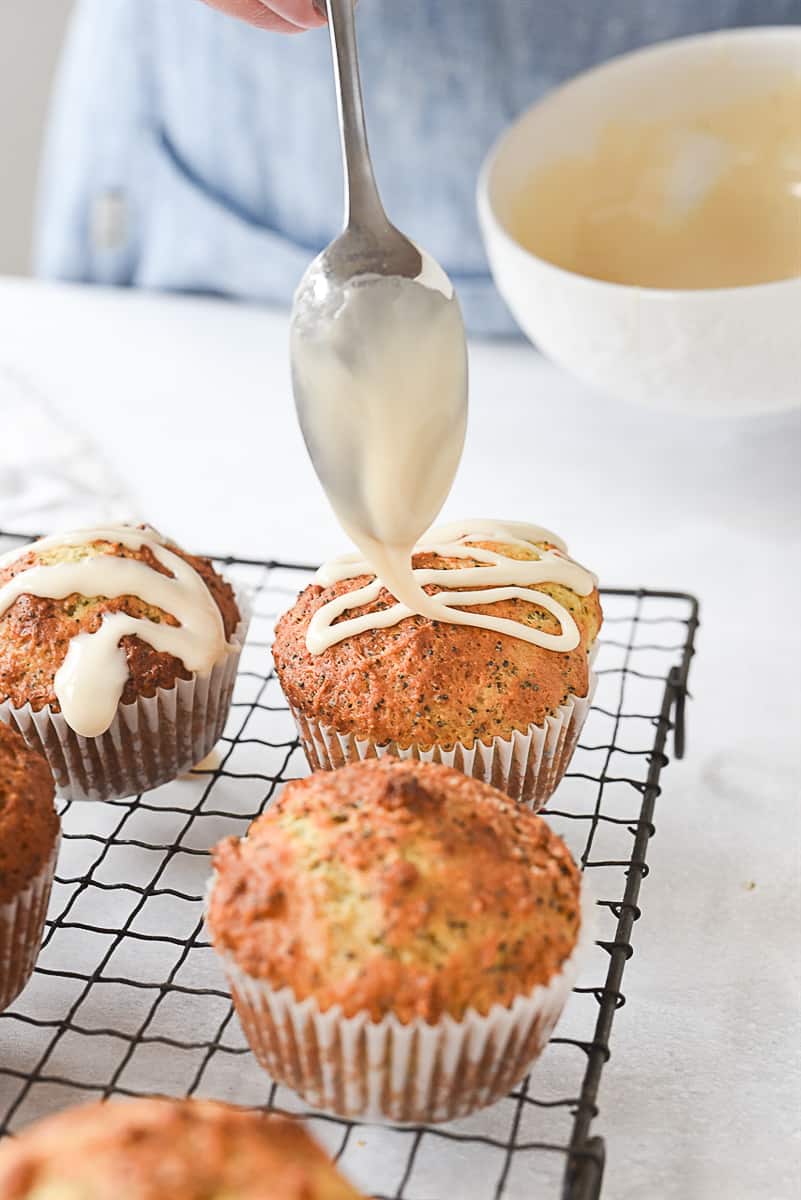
[[378, 354]]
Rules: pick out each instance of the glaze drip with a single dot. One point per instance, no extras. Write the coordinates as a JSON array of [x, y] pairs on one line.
[[500, 578]]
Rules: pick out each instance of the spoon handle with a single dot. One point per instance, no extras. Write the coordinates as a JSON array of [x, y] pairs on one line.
[[362, 203]]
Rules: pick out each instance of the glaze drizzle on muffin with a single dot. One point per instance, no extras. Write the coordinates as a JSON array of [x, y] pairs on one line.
[[107, 594], [492, 576], [422, 682]]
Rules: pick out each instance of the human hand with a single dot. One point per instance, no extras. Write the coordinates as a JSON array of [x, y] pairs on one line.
[[283, 16]]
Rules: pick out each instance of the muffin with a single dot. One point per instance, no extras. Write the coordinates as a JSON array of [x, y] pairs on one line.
[[29, 841], [151, 1149], [490, 703], [399, 939], [118, 653]]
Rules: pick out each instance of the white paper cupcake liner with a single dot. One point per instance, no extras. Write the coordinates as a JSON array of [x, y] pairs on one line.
[[528, 766], [150, 741], [401, 1074], [21, 926]]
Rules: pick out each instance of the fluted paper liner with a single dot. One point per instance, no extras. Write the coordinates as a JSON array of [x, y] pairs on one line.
[[387, 1071], [528, 766], [21, 927], [150, 741]]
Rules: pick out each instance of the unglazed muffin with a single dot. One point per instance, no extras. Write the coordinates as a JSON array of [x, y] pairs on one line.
[[158, 1149], [61, 601], [29, 839], [491, 704], [399, 938]]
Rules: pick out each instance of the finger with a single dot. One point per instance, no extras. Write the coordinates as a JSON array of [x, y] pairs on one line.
[[300, 12], [256, 13]]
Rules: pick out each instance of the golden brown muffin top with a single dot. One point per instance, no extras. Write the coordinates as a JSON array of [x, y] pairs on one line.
[[154, 1149], [35, 632], [29, 823], [397, 886], [423, 682]]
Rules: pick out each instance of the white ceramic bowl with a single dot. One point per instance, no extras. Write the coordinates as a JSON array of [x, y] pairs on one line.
[[717, 351]]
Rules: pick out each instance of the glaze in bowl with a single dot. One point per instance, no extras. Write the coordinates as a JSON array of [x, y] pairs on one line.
[[715, 351]]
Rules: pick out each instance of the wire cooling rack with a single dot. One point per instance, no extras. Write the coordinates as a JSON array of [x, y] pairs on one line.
[[128, 999]]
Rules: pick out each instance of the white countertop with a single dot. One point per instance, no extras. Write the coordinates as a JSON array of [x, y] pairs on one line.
[[189, 402]]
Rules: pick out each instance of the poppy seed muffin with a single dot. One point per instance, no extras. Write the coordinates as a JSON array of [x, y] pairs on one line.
[[140, 637], [404, 894], [29, 837], [36, 631], [422, 684], [151, 1149]]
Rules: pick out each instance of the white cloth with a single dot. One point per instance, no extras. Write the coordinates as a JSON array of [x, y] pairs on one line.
[[52, 476]]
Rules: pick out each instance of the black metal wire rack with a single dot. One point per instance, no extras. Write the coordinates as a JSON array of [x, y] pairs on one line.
[[128, 999]]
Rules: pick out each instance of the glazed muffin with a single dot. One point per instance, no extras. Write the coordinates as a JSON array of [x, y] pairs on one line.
[[118, 652], [399, 938], [490, 703], [151, 1149], [29, 839]]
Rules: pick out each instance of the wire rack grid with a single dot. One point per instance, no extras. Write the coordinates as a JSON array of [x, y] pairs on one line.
[[127, 998]]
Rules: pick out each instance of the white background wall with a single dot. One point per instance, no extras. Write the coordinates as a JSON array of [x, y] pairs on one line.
[[31, 32]]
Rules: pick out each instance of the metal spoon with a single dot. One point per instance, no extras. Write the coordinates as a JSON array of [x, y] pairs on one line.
[[354, 304]]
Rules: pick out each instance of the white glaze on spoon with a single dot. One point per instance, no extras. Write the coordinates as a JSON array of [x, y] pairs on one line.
[[380, 386], [89, 683], [502, 578]]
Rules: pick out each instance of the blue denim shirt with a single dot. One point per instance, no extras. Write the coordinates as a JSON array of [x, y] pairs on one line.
[[188, 151]]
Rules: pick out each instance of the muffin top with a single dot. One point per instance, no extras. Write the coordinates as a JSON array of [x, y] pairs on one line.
[[424, 682], [38, 630], [152, 1149], [29, 823], [397, 886]]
